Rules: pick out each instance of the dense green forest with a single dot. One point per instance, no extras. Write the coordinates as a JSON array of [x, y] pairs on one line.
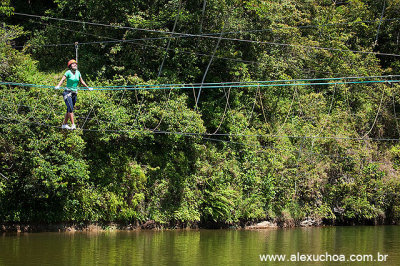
[[327, 152]]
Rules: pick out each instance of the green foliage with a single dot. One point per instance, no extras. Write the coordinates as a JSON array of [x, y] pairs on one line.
[[5, 8], [123, 169]]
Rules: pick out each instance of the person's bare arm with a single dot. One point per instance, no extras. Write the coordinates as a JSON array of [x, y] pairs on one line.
[[61, 81], [84, 84]]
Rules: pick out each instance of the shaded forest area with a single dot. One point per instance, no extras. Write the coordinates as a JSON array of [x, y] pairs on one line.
[[327, 152]]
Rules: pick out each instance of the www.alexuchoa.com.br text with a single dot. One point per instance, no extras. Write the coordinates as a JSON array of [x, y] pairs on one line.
[[298, 257]]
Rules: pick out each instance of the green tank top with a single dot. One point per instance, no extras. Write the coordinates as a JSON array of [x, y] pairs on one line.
[[72, 80]]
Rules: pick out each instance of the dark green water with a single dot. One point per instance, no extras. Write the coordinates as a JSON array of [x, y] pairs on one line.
[[202, 247]]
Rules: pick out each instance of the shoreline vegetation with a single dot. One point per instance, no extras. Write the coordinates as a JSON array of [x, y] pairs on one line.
[[325, 144]]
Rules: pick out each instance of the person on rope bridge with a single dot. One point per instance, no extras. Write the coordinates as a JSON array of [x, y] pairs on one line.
[[73, 77]]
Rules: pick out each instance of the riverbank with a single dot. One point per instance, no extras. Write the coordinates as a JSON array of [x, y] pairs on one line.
[[152, 225], [63, 227]]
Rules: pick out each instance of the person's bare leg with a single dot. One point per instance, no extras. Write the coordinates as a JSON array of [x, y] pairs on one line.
[[72, 118], [66, 118]]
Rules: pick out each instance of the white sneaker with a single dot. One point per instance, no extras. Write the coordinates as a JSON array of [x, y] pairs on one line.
[[65, 126], [73, 126]]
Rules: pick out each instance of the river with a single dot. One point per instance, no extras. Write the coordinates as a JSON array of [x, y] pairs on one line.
[[205, 247]]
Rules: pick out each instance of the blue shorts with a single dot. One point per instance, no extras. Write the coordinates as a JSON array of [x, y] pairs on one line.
[[70, 98]]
